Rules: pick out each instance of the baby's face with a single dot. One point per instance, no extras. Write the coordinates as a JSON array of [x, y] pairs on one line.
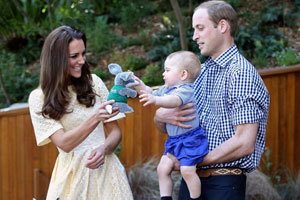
[[172, 73]]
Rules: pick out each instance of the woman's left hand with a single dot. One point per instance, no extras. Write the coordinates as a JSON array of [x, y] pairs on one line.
[[96, 158]]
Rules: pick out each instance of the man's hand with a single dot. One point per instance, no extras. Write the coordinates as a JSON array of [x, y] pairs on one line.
[[177, 115], [174, 116]]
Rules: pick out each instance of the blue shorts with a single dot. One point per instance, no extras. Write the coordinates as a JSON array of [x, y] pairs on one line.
[[189, 148]]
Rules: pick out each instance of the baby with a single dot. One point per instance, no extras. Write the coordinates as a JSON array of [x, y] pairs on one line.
[[188, 146]]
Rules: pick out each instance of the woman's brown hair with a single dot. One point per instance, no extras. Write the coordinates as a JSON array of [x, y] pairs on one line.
[[55, 77]]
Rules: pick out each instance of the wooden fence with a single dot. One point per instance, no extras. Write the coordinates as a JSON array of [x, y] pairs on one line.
[[25, 169]]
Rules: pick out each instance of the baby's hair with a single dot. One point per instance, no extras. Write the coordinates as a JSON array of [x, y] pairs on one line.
[[188, 61]]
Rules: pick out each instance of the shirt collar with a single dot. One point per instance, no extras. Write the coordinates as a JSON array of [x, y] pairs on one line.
[[223, 59]]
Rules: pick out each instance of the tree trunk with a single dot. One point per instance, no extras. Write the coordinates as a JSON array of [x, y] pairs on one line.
[[190, 9], [50, 13], [20, 9], [180, 20]]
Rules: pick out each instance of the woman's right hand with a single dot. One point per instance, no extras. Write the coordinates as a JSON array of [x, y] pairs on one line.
[[101, 114], [70, 139]]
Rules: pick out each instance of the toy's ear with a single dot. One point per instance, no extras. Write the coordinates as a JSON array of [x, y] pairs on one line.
[[114, 68]]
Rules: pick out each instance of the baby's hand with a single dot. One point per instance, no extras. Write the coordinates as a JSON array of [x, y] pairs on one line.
[[139, 85], [147, 97]]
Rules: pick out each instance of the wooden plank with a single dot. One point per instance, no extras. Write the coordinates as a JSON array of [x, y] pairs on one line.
[[132, 146], [297, 124], [4, 158], [279, 70], [15, 112], [138, 128], [128, 146], [29, 141], [2, 132], [11, 158], [21, 174], [159, 138], [1, 156], [290, 134], [149, 132], [272, 133], [282, 119]]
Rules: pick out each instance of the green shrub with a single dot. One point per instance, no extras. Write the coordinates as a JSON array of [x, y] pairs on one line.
[[17, 82], [103, 75], [158, 53], [291, 18], [287, 57], [133, 63], [259, 37], [118, 58], [100, 37], [153, 75], [143, 38], [132, 13]]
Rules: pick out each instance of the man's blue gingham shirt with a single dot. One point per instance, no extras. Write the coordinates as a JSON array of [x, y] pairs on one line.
[[229, 91]]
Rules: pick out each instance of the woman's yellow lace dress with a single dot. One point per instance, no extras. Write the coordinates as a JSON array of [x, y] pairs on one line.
[[70, 178]]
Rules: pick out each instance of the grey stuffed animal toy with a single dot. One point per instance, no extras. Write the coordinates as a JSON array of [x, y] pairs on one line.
[[120, 91]]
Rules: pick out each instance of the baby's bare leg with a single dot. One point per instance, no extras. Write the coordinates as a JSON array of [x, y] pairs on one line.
[[164, 170], [192, 180], [176, 162]]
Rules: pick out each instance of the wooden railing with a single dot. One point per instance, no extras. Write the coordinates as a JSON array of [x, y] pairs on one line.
[[283, 129], [25, 169]]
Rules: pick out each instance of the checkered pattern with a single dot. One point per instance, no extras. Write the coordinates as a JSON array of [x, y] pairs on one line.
[[228, 92]]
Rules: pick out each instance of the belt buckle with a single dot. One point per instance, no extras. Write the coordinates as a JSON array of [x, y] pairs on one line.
[[228, 171]]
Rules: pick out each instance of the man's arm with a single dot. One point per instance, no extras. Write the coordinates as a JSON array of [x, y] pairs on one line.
[[240, 145], [174, 116], [161, 126]]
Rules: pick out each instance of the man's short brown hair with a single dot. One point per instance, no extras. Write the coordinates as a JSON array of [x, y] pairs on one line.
[[218, 10]]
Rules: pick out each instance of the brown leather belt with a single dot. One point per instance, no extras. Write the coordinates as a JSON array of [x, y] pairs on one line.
[[220, 172]]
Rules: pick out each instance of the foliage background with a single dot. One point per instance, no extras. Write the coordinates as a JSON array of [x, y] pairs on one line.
[[136, 34]]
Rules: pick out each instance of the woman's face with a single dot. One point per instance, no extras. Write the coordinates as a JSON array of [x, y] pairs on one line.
[[76, 57]]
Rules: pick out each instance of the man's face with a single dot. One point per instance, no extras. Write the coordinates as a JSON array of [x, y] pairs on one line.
[[207, 35]]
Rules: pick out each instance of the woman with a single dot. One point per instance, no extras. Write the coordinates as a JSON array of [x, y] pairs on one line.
[[68, 110]]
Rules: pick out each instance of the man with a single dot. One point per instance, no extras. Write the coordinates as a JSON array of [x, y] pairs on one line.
[[232, 103]]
